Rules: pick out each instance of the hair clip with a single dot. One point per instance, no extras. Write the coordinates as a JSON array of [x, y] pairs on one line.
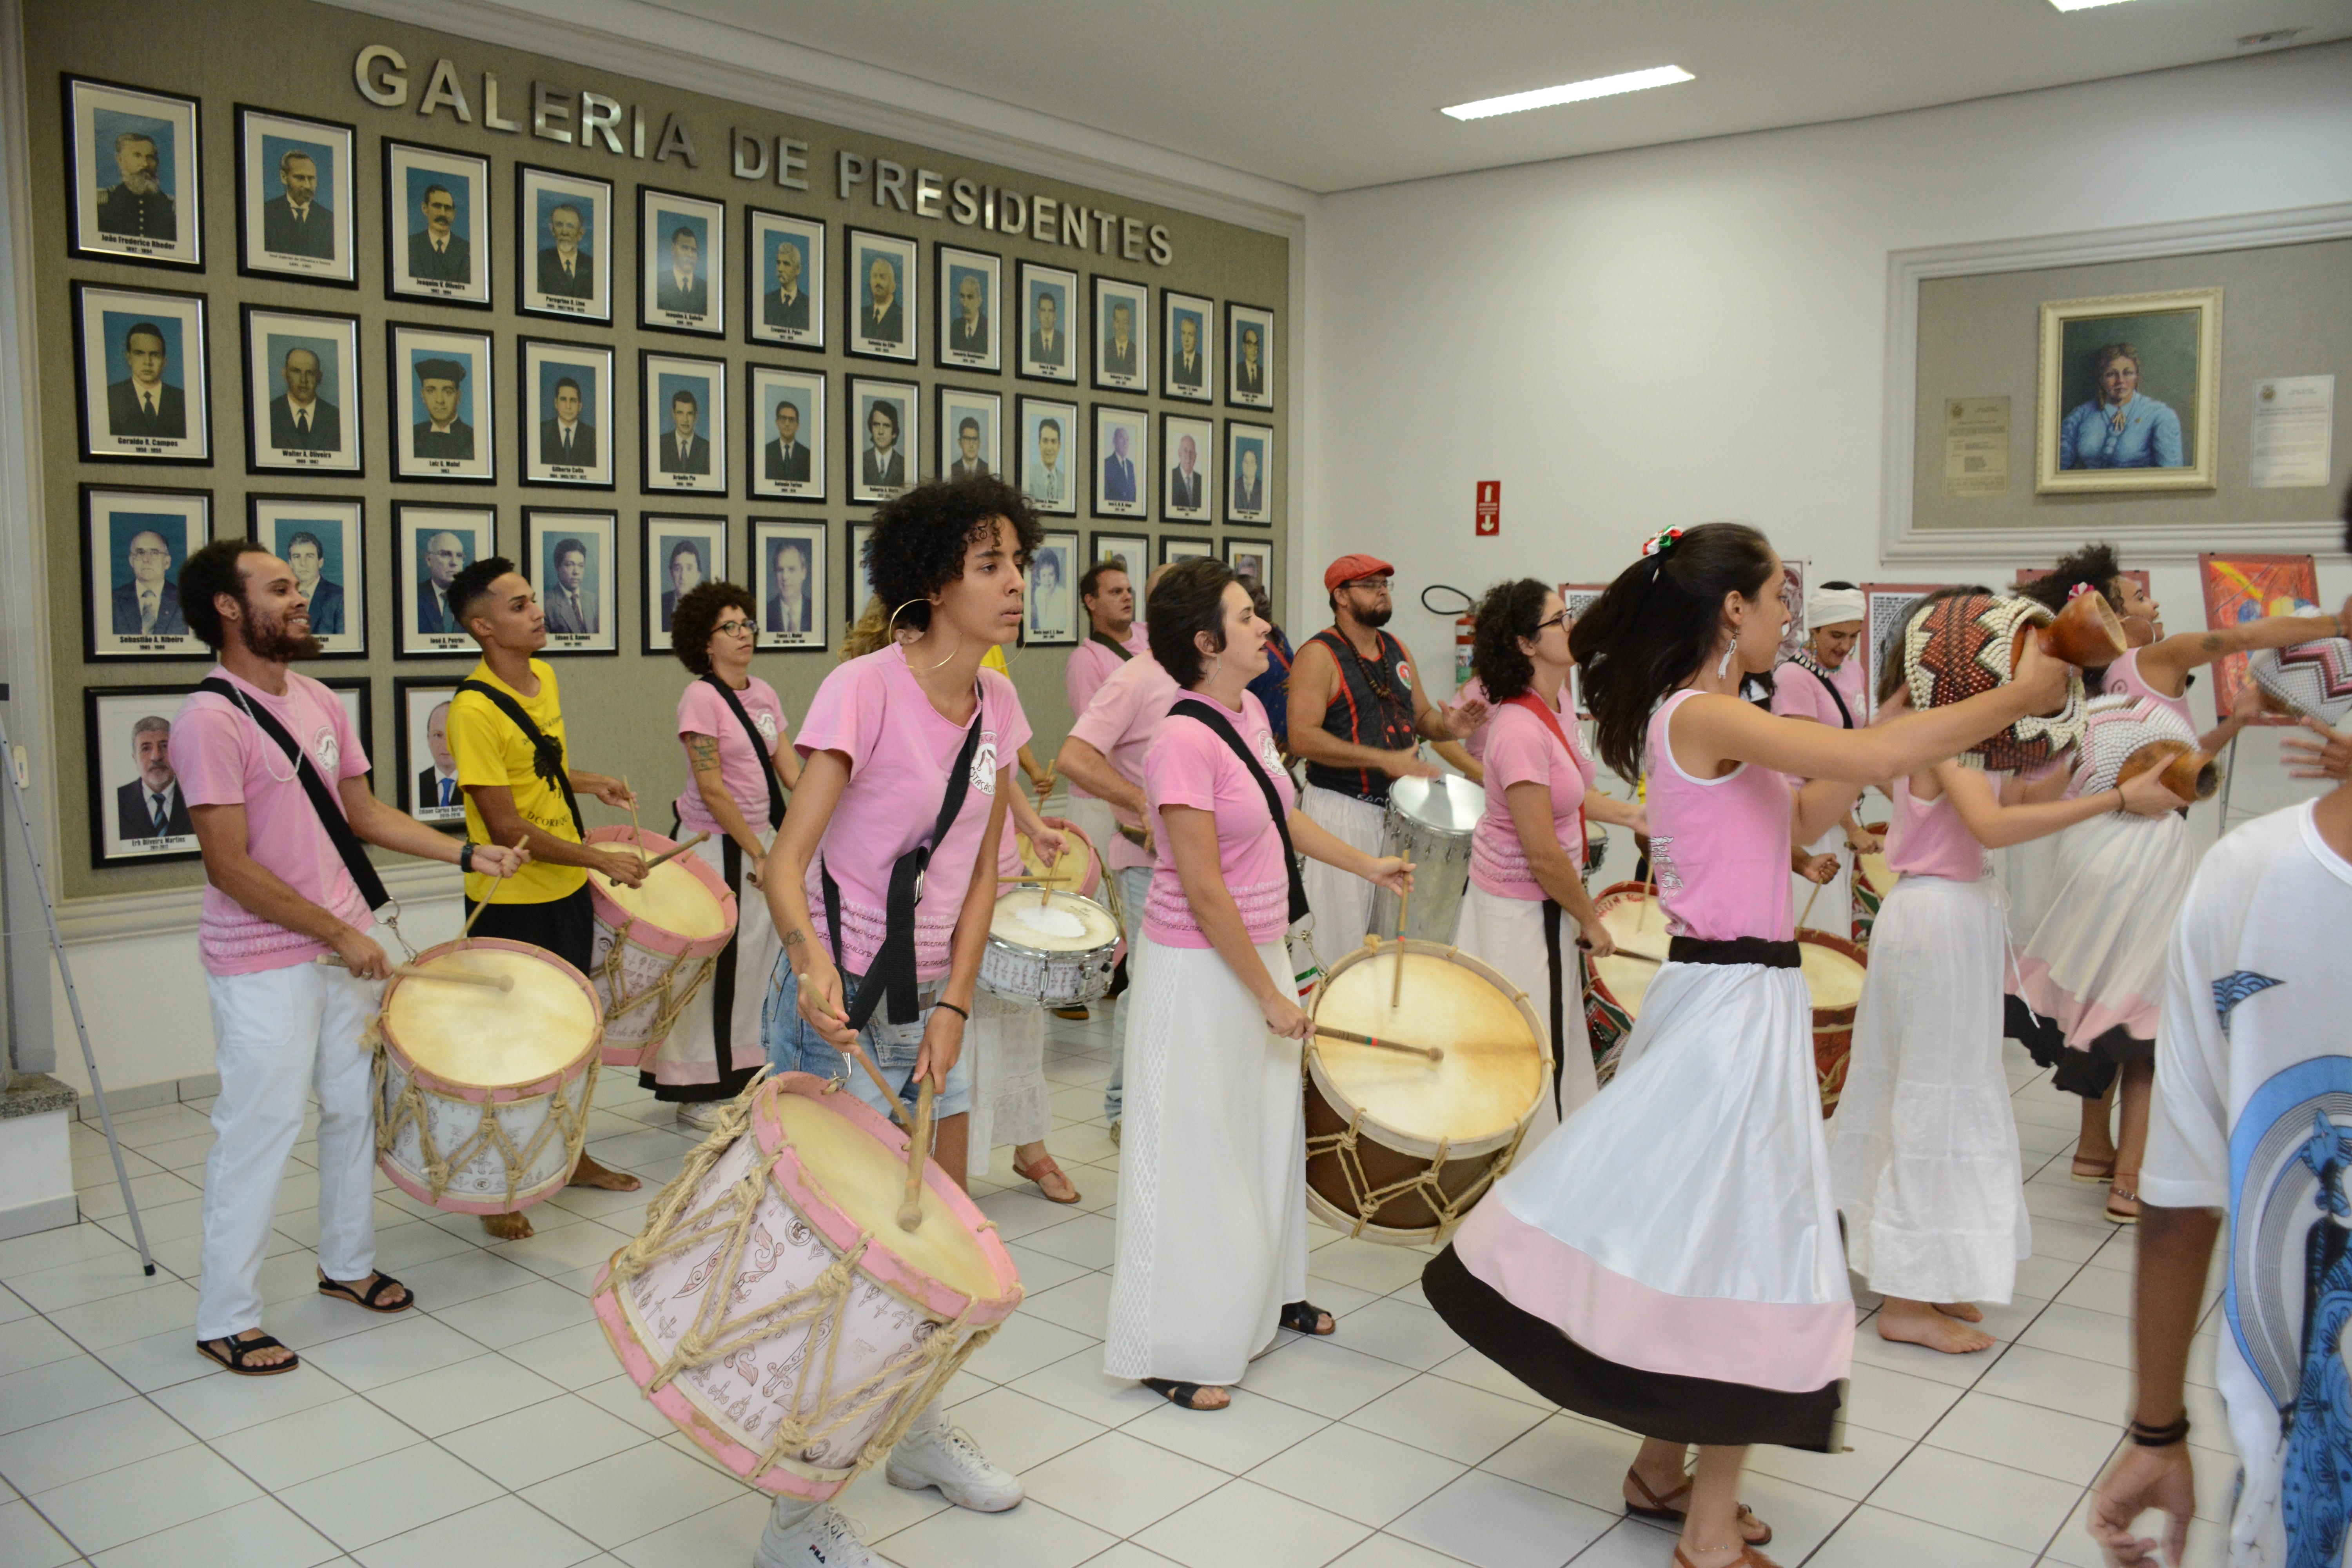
[[1663, 543], [2078, 590]]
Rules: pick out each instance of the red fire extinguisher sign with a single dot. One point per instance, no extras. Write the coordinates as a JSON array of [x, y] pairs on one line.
[[1490, 508]]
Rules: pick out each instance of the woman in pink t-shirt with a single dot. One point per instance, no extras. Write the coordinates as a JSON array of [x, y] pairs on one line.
[[1668, 1260], [1526, 854], [1213, 1169]]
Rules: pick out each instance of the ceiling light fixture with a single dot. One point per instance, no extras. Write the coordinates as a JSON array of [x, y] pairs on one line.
[[1572, 92], [2082, 5]]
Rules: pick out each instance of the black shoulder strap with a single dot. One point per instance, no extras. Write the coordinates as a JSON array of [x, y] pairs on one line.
[[546, 752], [1193, 707], [1845, 715], [759, 750], [1111, 643], [322, 799]]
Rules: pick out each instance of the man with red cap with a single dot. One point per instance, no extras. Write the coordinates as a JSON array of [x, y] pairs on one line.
[[1358, 716]]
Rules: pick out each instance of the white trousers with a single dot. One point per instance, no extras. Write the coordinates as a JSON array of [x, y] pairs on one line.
[[279, 1036], [1134, 890], [1341, 900]]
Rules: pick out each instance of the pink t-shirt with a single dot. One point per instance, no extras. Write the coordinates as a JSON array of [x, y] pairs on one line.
[[2123, 679], [1798, 693], [224, 759], [1521, 750], [1188, 763], [1119, 723], [900, 748], [701, 710], [1091, 665], [1719, 846], [1927, 838]]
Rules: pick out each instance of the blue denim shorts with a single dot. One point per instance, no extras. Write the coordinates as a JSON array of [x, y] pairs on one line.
[[795, 1046]]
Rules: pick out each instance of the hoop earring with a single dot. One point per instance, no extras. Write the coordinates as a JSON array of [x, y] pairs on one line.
[[892, 628]]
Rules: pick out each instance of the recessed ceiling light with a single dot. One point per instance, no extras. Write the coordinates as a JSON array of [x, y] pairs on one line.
[[1572, 92], [2083, 5]]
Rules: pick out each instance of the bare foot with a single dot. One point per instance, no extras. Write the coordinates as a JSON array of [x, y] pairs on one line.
[[1966, 1312], [507, 1226], [1917, 1323], [589, 1173]]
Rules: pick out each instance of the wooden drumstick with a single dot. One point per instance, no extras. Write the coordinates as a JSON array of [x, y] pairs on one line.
[[1396, 980], [521, 840], [635, 832], [419, 971], [1809, 904], [668, 855], [919, 1149], [1434, 1053]]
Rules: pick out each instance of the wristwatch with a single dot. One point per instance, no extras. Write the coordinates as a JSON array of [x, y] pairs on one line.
[[466, 859]]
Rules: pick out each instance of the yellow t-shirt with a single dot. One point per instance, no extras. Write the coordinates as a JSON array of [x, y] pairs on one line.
[[995, 659], [491, 751]]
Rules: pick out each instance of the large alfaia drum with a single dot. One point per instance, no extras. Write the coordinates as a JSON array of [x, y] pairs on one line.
[[1429, 823], [773, 1309], [656, 944], [1399, 1148], [481, 1096], [1833, 974]]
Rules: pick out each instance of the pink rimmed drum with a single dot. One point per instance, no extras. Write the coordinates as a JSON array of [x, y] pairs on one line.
[[481, 1095], [1078, 870], [774, 1309], [656, 944]]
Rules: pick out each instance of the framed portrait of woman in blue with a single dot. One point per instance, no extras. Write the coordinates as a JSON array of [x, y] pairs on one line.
[[2129, 384]]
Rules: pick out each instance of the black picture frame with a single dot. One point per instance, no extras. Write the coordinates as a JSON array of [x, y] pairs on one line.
[[855, 589], [340, 265], [414, 524], [812, 385], [1174, 547], [1239, 435], [351, 412], [103, 786], [193, 448], [1207, 466], [479, 393], [535, 398], [856, 414], [1058, 284], [1105, 421], [1133, 549], [1129, 372], [276, 522], [193, 511], [362, 722], [1176, 309], [545, 530], [804, 329], [715, 561], [949, 264], [554, 304], [654, 316], [408, 725], [185, 252], [855, 283], [400, 284], [766, 534], [656, 426], [1261, 545], [1238, 318]]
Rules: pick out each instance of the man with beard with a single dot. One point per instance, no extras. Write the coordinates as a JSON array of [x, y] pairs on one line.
[[786, 305], [137, 208], [152, 806], [291, 968]]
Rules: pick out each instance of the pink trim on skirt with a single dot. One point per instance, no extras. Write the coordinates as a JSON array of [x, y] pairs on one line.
[[2083, 1021]]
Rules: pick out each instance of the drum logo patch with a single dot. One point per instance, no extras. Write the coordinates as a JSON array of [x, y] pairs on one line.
[[327, 749], [983, 764], [1266, 753]]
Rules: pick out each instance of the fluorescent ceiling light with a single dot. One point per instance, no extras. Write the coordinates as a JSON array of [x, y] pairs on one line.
[[2082, 5], [1578, 91]]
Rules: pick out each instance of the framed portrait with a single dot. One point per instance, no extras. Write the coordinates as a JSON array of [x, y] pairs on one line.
[[786, 450], [1249, 356], [133, 171], [679, 554], [1122, 335], [1249, 472], [137, 812], [1053, 613], [357, 694], [1188, 448], [437, 226], [788, 580], [880, 301], [881, 442], [564, 424], [143, 369], [442, 423], [430, 545], [1049, 455], [1122, 461], [861, 582], [302, 391], [971, 292], [425, 763], [2130, 388], [684, 399], [1048, 316], [569, 558], [1189, 331], [135, 543], [681, 262], [295, 191], [563, 245], [1251, 556], [1131, 552], [324, 539], [1173, 549], [784, 260], [970, 426]]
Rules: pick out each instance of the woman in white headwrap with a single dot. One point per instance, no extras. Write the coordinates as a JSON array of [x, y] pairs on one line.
[[1825, 682]]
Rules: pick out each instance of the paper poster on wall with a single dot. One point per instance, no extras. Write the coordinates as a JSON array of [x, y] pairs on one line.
[[1976, 447], [2294, 446], [2247, 587]]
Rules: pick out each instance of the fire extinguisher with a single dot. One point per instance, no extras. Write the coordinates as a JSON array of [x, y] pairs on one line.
[[1466, 624]]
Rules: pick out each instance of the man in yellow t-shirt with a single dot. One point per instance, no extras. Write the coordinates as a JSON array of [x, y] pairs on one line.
[[518, 788]]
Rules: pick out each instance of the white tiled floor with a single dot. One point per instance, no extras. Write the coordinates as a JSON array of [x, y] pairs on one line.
[[494, 1427]]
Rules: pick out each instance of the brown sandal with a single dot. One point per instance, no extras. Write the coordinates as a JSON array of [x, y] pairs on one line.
[[1038, 1174], [1663, 1508], [2123, 1201]]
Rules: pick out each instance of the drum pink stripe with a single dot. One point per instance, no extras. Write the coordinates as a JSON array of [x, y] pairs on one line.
[[631, 1008], [2083, 1021], [1795, 1347]]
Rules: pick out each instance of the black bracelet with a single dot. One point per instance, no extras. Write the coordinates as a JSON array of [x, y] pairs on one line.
[[2148, 1436], [466, 859], [956, 1010]]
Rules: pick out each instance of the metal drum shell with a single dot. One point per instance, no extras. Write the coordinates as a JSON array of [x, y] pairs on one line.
[[1071, 978], [630, 1039], [1438, 843]]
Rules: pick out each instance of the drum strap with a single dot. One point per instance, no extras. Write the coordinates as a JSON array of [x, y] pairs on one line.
[[892, 973], [1193, 707], [546, 751], [1845, 714], [1111, 643], [322, 799], [759, 750]]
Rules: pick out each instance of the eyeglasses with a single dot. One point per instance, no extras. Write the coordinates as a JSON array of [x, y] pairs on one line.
[[1372, 584], [1561, 620], [732, 628]]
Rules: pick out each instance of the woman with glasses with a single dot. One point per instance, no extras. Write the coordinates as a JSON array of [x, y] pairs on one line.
[[739, 763]]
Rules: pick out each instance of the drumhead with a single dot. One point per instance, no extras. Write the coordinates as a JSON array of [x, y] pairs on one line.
[[866, 1180], [1639, 925], [483, 1039], [1069, 871], [1493, 1068], [1834, 977], [1447, 805], [1021, 920], [672, 897]]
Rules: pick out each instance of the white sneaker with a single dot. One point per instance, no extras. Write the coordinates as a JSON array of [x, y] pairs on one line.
[[700, 1114], [822, 1539], [940, 1457]]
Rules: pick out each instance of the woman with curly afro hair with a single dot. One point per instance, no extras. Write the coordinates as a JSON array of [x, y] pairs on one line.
[[883, 882]]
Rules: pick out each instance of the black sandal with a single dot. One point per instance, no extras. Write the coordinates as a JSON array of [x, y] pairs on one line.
[[1307, 1318], [237, 1357], [1182, 1395], [369, 1299]]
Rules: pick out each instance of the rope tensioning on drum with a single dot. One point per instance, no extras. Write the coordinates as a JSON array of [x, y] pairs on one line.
[[711, 1338], [1367, 1200], [563, 1121], [626, 1002]]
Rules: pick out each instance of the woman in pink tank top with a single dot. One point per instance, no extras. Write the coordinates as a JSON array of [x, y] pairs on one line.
[[1732, 1323], [1922, 1151]]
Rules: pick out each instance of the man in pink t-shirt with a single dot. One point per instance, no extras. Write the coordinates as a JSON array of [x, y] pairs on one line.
[[284, 939], [1113, 636]]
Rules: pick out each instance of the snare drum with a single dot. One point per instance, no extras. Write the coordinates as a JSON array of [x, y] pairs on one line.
[[773, 1309], [1429, 823], [656, 944], [1614, 985], [1873, 879], [1054, 948], [481, 1096], [1833, 974], [1399, 1147]]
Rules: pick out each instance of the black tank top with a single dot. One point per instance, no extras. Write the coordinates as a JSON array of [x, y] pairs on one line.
[[1372, 706]]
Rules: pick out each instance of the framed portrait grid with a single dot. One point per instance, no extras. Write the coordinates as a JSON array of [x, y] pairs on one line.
[[137, 812], [881, 442], [1188, 331], [1249, 356], [970, 427], [324, 539], [302, 409], [570, 557], [563, 245], [133, 172], [785, 455], [422, 758], [1048, 455], [1176, 547], [436, 224], [972, 298], [784, 262], [1121, 328], [679, 552], [444, 428], [1052, 612], [135, 543], [1188, 449], [1121, 466], [681, 263], [1049, 323], [430, 545], [1131, 552], [880, 298], [563, 425], [296, 195], [1249, 472], [788, 577], [142, 371], [683, 399]]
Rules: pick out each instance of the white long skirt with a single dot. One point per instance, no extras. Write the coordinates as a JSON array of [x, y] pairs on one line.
[[2096, 960], [1341, 900], [1922, 1151], [1007, 1045], [688, 1057], [1212, 1173], [1508, 933]]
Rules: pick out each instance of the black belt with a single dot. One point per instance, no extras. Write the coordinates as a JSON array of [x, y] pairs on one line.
[[1738, 950]]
